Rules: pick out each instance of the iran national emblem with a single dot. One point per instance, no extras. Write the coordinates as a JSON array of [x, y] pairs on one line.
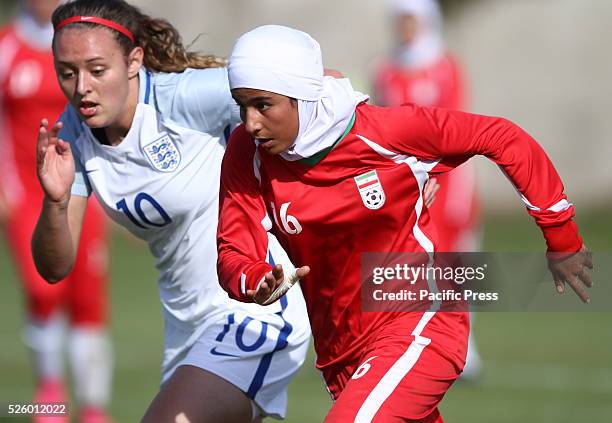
[[371, 190], [163, 154]]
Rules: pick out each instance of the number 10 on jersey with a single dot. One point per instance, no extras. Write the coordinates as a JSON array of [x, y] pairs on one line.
[[144, 222]]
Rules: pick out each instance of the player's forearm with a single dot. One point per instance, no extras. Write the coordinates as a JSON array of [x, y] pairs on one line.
[[237, 273], [522, 160], [532, 173], [52, 243]]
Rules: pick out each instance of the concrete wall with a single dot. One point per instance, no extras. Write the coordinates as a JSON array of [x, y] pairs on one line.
[[545, 64]]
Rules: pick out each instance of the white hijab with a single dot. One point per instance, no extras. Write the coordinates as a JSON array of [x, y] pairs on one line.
[[286, 61], [34, 34], [428, 47]]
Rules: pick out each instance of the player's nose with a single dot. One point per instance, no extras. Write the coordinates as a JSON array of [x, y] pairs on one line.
[[252, 121]]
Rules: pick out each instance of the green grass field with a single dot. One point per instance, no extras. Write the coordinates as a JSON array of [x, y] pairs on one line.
[[539, 367]]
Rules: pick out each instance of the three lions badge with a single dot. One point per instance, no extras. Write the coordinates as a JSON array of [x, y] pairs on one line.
[[163, 154], [371, 190]]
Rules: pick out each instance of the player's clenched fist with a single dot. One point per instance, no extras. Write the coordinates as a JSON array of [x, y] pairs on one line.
[[55, 164]]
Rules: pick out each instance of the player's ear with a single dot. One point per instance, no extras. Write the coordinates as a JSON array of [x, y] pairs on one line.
[[135, 60]]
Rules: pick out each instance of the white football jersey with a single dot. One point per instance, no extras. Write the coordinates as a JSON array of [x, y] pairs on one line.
[[162, 184]]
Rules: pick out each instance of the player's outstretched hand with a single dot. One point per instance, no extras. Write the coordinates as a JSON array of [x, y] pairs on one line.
[[429, 193], [572, 269], [54, 162], [275, 284]]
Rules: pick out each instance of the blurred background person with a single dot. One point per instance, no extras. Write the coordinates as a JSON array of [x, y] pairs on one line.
[[70, 315], [420, 70]]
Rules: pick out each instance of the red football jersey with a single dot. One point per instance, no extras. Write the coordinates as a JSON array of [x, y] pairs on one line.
[[27, 83], [455, 210], [326, 215], [437, 85]]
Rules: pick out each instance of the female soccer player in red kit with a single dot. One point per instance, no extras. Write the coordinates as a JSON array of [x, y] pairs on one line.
[[28, 92], [420, 70], [335, 177]]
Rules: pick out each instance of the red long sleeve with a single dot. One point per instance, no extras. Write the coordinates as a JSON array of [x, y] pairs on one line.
[[241, 237], [452, 137]]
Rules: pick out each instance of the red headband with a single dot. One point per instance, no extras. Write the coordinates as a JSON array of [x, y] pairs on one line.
[[99, 21]]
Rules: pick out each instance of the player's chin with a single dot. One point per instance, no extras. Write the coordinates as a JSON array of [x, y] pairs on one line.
[[271, 148], [99, 120], [95, 122], [276, 148]]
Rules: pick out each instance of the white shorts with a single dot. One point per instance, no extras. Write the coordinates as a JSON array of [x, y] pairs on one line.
[[258, 353]]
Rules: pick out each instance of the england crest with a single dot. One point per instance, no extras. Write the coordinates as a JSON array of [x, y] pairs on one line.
[[371, 190], [163, 154]]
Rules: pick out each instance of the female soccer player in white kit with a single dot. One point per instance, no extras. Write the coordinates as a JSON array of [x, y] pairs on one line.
[[149, 145]]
